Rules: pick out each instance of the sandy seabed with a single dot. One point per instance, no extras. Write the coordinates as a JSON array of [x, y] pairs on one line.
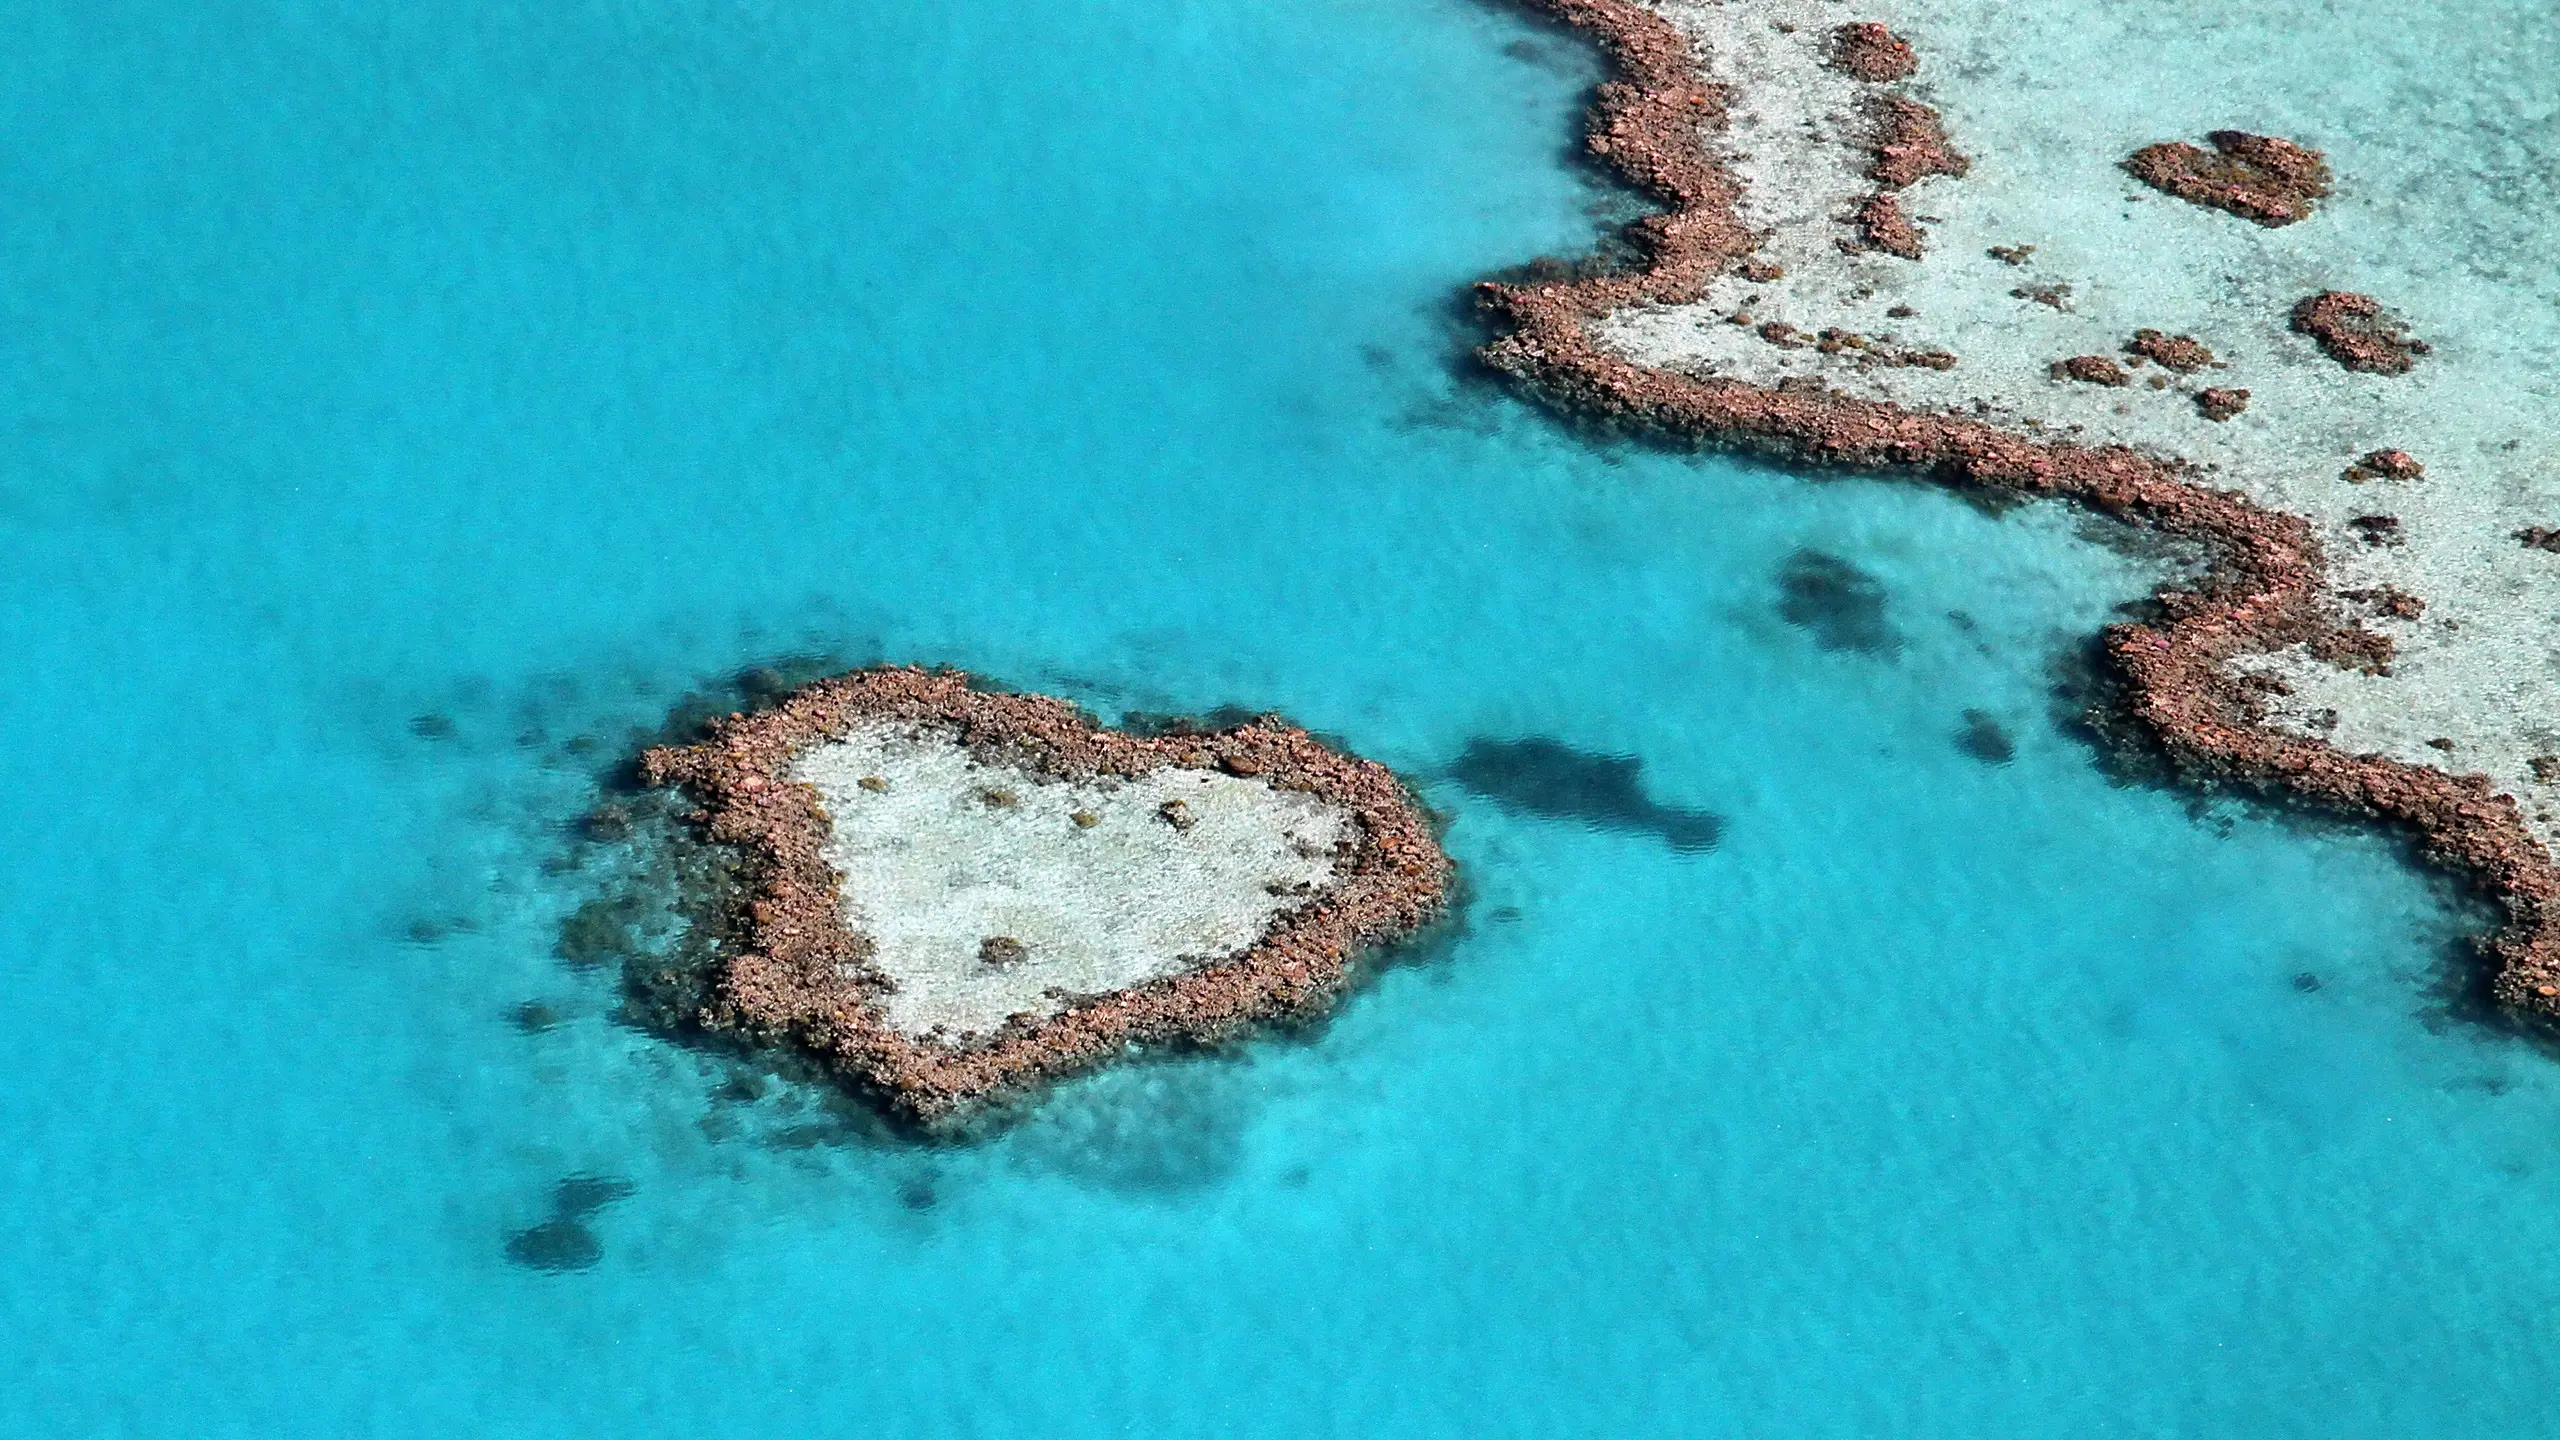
[[989, 891]]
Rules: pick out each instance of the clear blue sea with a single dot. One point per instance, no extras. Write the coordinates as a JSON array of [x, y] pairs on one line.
[[408, 404]]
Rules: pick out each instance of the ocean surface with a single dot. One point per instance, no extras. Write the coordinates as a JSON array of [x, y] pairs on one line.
[[409, 406]]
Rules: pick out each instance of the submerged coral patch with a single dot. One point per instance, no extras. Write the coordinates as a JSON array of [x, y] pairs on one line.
[[555, 1245], [564, 1242], [1840, 605], [2221, 402], [1983, 738], [2385, 465], [2091, 370], [580, 1196], [1550, 779], [1909, 141], [2377, 530], [602, 929], [1881, 225]]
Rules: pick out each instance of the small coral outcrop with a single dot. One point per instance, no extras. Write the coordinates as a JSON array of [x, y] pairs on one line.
[[2262, 178], [2182, 353], [1865, 50], [2357, 332]]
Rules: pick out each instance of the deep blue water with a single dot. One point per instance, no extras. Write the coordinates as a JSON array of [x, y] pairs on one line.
[[403, 397]]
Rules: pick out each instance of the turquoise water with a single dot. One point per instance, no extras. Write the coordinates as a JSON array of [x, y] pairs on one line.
[[410, 404]]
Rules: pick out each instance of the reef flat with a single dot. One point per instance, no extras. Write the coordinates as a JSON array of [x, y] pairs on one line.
[[948, 892], [1842, 275]]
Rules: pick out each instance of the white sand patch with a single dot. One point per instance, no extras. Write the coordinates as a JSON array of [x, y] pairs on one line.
[[943, 854], [2046, 113]]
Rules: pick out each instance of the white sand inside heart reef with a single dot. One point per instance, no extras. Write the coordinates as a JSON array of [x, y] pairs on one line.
[[942, 854]]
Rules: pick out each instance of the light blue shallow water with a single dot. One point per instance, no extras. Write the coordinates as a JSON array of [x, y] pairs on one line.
[[529, 366]]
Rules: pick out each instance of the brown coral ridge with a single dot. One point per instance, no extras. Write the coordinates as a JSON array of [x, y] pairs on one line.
[[796, 975], [2264, 591], [2263, 178], [2357, 332], [1865, 50]]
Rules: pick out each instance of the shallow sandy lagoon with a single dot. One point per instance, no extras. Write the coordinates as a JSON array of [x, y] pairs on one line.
[[1102, 884]]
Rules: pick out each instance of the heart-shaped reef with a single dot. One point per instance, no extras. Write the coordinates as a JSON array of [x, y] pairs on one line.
[[950, 893]]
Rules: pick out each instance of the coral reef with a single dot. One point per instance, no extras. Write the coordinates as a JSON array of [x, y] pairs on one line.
[[1909, 142], [2221, 402], [2266, 588], [2357, 332], [1870, 52], [1881, 225], [793, 972], [1905, 139], [2385, 465], [2182, 353], [2388, 600], [2092, 370], [2256, 177]]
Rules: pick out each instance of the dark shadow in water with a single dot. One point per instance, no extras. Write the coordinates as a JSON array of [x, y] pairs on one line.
[[1552, 780], [916, 1194], [563, 1243], [1840, 605], [580, 1196], [555, 1247], [606, 928], [1984, 739]]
